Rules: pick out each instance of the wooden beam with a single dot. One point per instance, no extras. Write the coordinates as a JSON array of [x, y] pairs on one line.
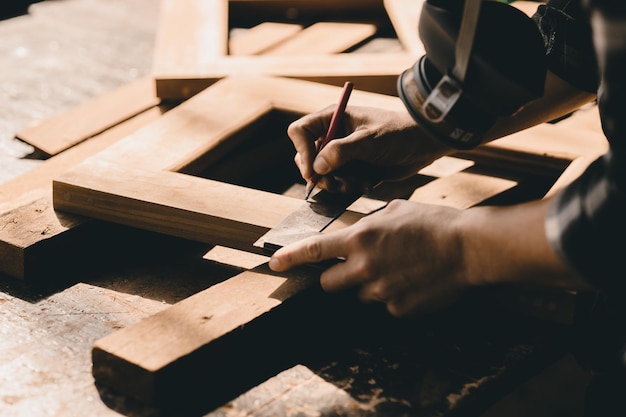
[[55, 135], [261, 37], [324, 38], [372, 72], [26, 204], [216, 212], [151, 360], [146, 195], [188, 138], [183, 33], [199, 132], [404, 16], [187, 60]]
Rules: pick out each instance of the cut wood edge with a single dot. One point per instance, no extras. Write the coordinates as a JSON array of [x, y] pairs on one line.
[[136, 359], [59, 133], [405, 16], [261, 37], [372, 72], [324, 38]]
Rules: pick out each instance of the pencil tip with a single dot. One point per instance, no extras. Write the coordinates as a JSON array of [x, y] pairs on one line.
[[308, 190]]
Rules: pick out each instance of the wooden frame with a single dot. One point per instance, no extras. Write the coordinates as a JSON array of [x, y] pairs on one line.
[[191, 50], [152, 360]]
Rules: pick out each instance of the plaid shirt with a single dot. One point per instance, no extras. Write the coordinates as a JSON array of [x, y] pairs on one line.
[[586, 224]]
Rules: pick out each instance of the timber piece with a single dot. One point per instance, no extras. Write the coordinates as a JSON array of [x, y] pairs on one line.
[[209, 333], [202, 130], [212, 211], [183, 33], [324, 38], [54, 135], [404, 16], [192, 136], [212, 334], [261, 37], [185, 62], [39, 179], [374, 72], [27, 212]]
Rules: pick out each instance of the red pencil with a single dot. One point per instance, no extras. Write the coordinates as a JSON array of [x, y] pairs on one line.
[[332, 132]]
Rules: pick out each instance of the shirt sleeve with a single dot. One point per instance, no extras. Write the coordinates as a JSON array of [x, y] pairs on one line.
[[566, 33], [586, 224]]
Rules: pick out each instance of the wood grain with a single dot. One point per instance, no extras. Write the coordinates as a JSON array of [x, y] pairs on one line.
[[149, 360], [191, 49], [261, 37], [324, 38], [55, 135]]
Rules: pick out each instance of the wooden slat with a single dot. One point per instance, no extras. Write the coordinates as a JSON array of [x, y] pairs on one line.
[[40, 177], [200, 131], [211, 211], [261, 37], [148, 360], [324, 38], [26, 207], [404, 16], [183, 33], [193, 135], [372, 72], [191, 49], [55, 135]]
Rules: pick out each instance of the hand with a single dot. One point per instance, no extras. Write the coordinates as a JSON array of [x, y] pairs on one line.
[[379, 145], [407, 256]]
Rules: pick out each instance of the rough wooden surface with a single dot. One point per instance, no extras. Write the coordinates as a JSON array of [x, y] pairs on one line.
[[47, 333], [54, 135]]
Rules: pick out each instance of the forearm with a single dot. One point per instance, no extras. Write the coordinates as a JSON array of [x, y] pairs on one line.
[[509, 245]]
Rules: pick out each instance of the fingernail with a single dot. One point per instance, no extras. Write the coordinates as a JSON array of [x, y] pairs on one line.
[[274, 263], [321, 166]]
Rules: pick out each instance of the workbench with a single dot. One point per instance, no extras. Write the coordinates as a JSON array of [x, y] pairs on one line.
[[350, 359]]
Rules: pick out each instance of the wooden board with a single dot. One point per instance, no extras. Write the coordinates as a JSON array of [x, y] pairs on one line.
[[55, 135], [261, 37], [324, 38], [27, 212], [405, 15], [183, 27], [219, 213], [190, 138], [215, 212], [150, 361]]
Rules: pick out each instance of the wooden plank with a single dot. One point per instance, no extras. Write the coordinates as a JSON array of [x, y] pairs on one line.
[[372, 72], [211, 211], [144, 360], [203, 129], [187, 138], [40, 178], [404, 16], [183, 33], [216, 212], [185, 62], [26, 207], [324, 38], [261, 37], [55, 135]]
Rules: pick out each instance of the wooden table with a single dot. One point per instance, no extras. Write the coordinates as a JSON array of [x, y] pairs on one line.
[[460, 361]]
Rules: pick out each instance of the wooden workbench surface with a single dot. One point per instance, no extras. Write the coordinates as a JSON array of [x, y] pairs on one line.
[[64, 53]]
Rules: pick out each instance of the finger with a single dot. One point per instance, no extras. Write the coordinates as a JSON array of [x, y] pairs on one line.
[[375, 291], [355, 146], [304, 133], [311, 250], [344, 275]]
